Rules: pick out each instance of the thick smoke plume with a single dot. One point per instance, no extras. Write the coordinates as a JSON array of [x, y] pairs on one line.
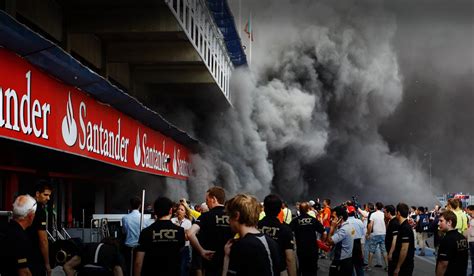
[[306, 117]]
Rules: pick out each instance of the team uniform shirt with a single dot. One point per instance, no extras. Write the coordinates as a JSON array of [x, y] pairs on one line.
[[392, 231], [254, 254], [39, 224], [305, 228], [405, 235], [15, 249], [343, 239], [162, 242], [454, 249], [281, 233], [213, 235]]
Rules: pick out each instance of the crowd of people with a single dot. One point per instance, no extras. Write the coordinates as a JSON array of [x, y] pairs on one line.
[[241, 236]]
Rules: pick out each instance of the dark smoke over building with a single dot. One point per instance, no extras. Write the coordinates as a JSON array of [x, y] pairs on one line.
[[346, 99]]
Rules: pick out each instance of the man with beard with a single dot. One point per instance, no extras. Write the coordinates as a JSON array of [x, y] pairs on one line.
[[306, 228], [37, 231]]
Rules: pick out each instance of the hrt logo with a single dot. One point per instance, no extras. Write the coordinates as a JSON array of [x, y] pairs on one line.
[[271, 231], [69, 127], [222, 220], [165, 234]]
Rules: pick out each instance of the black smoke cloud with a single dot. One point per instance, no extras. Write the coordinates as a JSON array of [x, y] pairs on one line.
[[326, 109]]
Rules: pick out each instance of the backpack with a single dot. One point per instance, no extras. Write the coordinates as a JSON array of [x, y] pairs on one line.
[[423, 224]]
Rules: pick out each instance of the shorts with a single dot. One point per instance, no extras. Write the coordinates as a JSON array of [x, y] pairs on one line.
[[374, 241]]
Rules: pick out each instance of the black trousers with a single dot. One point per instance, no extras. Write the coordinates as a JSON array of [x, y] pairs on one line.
[[404, 270], [341, 267]]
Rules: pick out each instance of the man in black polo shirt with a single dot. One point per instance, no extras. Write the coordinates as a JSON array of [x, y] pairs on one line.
[[214, 232], [14, 242], [305, 228], [404, 253], [158, 252], [37, 231], [453, 248], [279, 232], [254, 253], [392, 230]]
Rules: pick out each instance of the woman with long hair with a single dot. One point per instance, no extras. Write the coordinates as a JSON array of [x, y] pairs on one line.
[[183, 219]]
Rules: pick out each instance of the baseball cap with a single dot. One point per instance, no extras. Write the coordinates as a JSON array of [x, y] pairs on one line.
[[350, 209]]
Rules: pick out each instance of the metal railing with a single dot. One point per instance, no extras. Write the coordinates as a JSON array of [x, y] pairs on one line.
[[199, 26]]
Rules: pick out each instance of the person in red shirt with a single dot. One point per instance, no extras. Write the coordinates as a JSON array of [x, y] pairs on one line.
[[326, 216]]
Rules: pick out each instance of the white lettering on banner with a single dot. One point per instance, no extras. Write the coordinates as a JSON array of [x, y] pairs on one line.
[[95, 138], [180, 166], [154, 159], [36, 111]]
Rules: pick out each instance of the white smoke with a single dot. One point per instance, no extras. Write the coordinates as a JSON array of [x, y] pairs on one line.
[[320, 86]]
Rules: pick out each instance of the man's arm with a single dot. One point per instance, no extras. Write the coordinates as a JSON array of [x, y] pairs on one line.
[[137, 266], [290, 262], [71, 264], [206, 254], [392, 248], [441, 268], [403, 255], [369, 229], [44, 247], [118, 271]]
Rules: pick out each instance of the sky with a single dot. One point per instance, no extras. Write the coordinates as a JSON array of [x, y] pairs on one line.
[[372, 99]]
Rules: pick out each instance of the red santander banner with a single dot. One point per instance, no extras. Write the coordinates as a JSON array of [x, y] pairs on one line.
[[40, 110]]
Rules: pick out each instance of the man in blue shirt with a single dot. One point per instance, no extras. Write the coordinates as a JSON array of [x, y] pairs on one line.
[[341, 235], [357, 256], [131, 228]]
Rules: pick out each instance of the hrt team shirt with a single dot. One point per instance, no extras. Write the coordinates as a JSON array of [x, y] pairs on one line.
[[281, 233], [254, 255], [39, 224], [162, 242], [405, 235], [454, 249], [392, 231], [213, 235], [305, 228], [15, 249]]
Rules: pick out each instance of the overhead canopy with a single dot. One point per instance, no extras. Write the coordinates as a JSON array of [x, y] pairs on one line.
[[56, 62], [225, 21]]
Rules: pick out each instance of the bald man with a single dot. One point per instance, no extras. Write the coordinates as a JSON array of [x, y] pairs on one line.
[[305, 227]]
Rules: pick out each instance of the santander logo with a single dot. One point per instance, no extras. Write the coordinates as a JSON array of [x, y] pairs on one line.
[[136, 150], [175, 163], [69, 127]]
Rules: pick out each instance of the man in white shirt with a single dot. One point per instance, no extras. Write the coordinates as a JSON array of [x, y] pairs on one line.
[[376, 233]]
